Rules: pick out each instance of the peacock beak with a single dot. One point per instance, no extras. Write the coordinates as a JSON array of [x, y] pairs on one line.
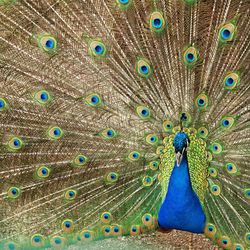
[[179, 156]]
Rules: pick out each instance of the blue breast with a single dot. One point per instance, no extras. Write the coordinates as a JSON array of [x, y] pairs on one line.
[[181, 208]]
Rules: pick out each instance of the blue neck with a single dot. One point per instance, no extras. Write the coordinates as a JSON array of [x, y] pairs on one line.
[[181, 208]]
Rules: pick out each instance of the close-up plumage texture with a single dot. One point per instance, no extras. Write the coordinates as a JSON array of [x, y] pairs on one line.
[[123, 117]]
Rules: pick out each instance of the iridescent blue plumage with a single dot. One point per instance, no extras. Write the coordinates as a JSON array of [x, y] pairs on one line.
[[181, 208]]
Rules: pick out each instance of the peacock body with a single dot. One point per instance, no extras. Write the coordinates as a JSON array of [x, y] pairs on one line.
[[119, 117]]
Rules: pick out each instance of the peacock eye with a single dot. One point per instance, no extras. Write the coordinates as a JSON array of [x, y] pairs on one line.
[[213, 172], [106, 217], [13, 192], [67, 225], [152, 139], [43, 172], [210, 230], [87, 235], [225, 241], [134, 156], [154, 165], [227, 32], [143, 112], [108, 134], [10, 246], [215, 189], [143, 68], [70, 195], [55, 133], [147, 219], [47, 43], [227, 122], [123, 2], [231, 81], [80, 160], [42, 97], [106, 230], [157, 22], [216, 148], [247, 194], [202, 101], [117, 230], [15, 144], [191, 56], [97, 49], [147, 181], [37, 240], [93, 100], [3, 104], [112, 178], [57, 241]]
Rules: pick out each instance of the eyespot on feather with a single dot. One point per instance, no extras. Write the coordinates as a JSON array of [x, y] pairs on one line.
[[143, 112], [215, 189], [147, 220], [106, 217], [213, 172], [167, 126], [108, 134], [232, 169], [15, 144], [135, 230], [201, 101], [97, 49], [147, 181], [3, 104], [191, 56], [227, 32], [124, 4], [231, 80], [42, 97], [152, 139], [216, 148], [55, 133], [247, 237], [11, 245], [57, 242], [246, 192], [93, 100], [238, 246], [47, 43], [80, 160], [43, 172], [68, 226], [37, 240], [134, 156], [87, 235], [107, 231], [112, 178], [117, 230], [70, 195], [13, 193], [210, 230], [157, 22], [202, 132], [225, 242], [154, 165], [227, 122], [143, 68]]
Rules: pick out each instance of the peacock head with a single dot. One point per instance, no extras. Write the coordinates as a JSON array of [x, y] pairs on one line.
[[181, 142]]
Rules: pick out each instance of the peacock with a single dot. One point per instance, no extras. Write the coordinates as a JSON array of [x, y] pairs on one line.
[[124, 117]]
